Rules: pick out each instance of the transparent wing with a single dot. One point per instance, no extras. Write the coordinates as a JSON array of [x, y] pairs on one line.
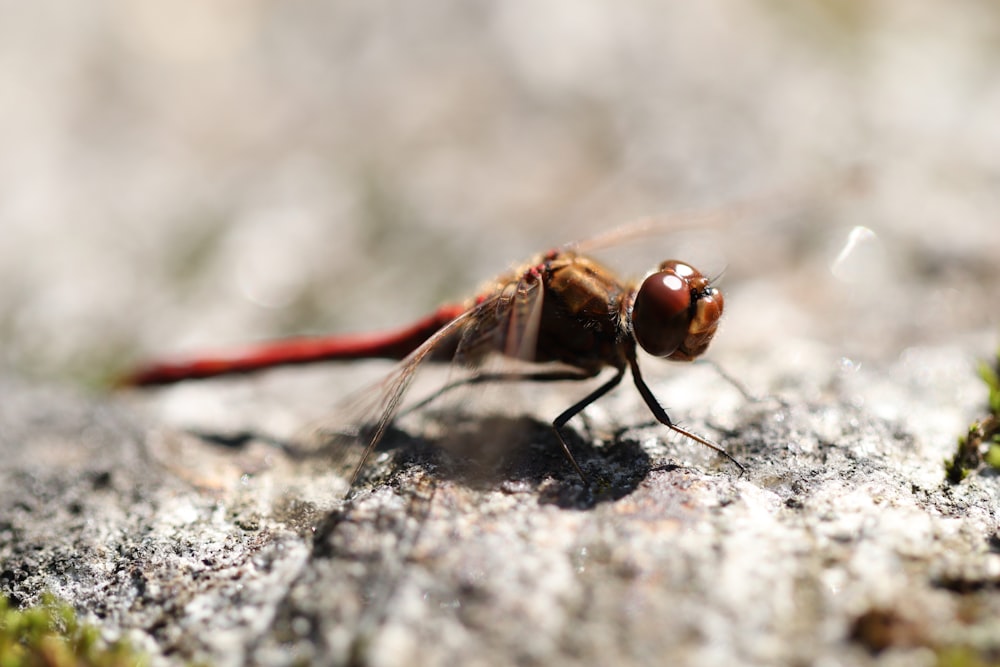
[[716, 219], [347, 436], [505, 323], [524, 318]]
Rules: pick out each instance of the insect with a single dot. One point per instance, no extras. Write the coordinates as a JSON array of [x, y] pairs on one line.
[[563, 311]]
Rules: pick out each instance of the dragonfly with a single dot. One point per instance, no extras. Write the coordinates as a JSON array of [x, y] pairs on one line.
[[562, 311]]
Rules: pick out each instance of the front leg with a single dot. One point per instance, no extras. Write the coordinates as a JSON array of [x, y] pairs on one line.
[[662, 416]]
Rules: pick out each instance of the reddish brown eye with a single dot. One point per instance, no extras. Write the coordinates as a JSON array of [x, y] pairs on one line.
[[676, 312], [662, 310]]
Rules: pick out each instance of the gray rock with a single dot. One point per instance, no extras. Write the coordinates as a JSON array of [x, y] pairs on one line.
[[840, 540]]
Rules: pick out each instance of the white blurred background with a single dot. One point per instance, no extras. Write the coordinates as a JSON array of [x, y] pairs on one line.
[[175, 175]]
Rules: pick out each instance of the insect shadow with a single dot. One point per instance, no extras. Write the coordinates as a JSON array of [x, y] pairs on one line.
[[235, 440], [481, 452], [515, 453]]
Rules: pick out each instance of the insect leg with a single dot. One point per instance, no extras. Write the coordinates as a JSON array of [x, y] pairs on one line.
[[578, 407], [544, 376], [662, 416]]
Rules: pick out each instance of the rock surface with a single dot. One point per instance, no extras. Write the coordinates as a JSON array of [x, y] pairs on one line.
[[841, 543]]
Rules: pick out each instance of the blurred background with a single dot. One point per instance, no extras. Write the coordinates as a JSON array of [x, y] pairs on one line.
[[202, 172]]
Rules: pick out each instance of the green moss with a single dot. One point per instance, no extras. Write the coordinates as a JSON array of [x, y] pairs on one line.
[[954, 471], [960, 656], [981, 444], [991, 376], [49, 635], [992, 456]]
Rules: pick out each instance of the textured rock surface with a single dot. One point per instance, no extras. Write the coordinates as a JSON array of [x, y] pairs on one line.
[[842, 522], [174, 182]]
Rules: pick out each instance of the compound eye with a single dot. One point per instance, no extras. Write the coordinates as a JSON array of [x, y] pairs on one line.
[[662, 312]]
